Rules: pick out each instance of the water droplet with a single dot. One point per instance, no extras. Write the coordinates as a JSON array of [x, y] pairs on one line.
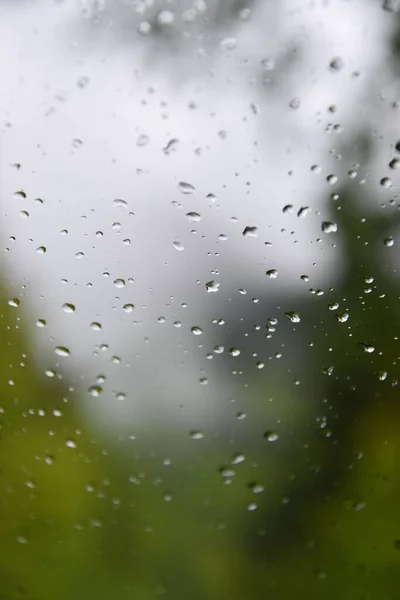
[[252, 506], [171, 146], [41, 250], [367, 347], [333, 305], [144, 28], [234, 352], [386, 182], [203, 381], [14, 302], [178, 246], [166, 17], [193, 217], [196, 435], [128, 308], [295, 103], [21, 539], [272, 273], [82, 82], [186, 188], [256, 488], [237, 459], [95, 326], [196, 330], [332, 179], [329, 227], [70, 443], [62, 351], [212, 286], [24, 213], [68, 308], [119, 283], [95, 391], [303, 212], [336, 64], [391, 5], [389, 242], [41, 323], [142, 140], [250, 232], [293, 316], [394, 164], [271, 436], [218, 349], [287, 209], [119, 203], [228, 44], [342, 317]]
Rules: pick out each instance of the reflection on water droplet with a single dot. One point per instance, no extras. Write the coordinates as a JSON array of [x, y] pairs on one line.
[[186, 188], [62, 351], [196, 330], [271, 436], [95, 391], [329, 227]]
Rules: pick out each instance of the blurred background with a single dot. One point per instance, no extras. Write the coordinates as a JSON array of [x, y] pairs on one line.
[[200, 299]]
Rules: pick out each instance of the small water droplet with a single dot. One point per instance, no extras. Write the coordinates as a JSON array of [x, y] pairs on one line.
[[95, 391], [62, 351], [178, 246], [142, 140], [256, 488], [186, 188], [68, 308], [272, 273], [70, 443], [14, 302], [329, 227], [237, 459], [332, 179], [303, 212], [171, 146], [212, 286], [234, 352], [252, 506], [250, 232], [389, 242], [293, 316], [336, 63], [41, 250], [196, 330], [367, 347], [386, 182], [41, 323], [128, 308], [342, 317], [295, 103], [119, 203], [228, 44], [287, 209], [193, 217], [271, 436], [119, 282], [196, 435], [95, 325], [218, 349]]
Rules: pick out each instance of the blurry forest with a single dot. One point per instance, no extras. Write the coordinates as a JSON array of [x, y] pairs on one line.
[[303, 505]]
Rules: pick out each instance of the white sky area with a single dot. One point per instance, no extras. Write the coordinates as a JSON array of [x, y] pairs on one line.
[[137, 87]]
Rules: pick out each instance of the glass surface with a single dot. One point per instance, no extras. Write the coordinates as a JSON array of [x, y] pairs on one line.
[[200, 299]]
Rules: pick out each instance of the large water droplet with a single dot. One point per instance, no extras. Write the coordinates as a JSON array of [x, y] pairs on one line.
[[212, 286], [329, 227], [293, 316]]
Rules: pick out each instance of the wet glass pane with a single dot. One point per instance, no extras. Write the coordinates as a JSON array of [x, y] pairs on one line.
[[200, 299]]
